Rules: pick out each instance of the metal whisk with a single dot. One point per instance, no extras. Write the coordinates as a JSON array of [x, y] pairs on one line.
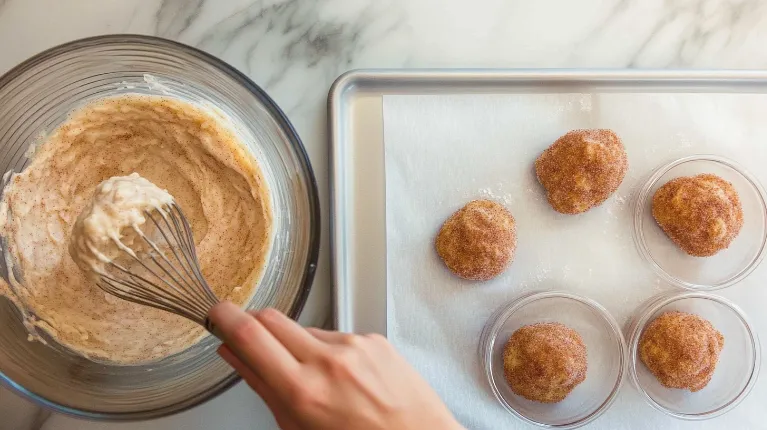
[[164, 277]]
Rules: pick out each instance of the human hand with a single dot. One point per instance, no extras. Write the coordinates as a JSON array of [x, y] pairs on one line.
[[313, 379]]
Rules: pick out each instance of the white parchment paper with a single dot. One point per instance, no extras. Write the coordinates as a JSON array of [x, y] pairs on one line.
[[443, 151]]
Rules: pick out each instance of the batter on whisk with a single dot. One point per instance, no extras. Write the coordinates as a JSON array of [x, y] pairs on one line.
[[186, 151], [106, 226]]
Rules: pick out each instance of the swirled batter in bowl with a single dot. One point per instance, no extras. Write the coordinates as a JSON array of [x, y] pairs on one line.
[[187, 150]]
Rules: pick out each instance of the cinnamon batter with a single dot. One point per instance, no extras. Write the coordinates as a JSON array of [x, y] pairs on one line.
[[108, 227], [181, 148]]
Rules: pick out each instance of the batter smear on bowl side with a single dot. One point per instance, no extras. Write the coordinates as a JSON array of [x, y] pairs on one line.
[[184, 149]]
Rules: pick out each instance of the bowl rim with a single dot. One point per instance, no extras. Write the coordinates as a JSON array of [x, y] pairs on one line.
[[304, 164], [643, 194], [489, 336], [642, 317]]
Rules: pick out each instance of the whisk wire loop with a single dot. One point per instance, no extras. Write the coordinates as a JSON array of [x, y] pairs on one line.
[[166, 276]]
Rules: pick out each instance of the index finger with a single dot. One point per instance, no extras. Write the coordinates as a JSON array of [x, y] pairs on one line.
[[295, 338], [254, 345]]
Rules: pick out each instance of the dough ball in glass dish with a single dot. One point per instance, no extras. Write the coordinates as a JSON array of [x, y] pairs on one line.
[[581, 169], [681, 350], [478, 241], [544, 362], [702, 214]]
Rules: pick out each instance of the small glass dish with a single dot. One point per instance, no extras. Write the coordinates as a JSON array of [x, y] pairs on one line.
[[736, 371], [727, 267], [606, 350]]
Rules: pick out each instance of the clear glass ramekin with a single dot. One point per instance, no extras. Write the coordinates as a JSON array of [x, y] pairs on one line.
[[605, 347], [727, 267], [35, 97], [736, 371]]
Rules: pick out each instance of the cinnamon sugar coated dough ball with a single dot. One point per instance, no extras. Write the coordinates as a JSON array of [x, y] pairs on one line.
[[681, 350], [544, 362], [701, 214], [478, 241], [581, 169]]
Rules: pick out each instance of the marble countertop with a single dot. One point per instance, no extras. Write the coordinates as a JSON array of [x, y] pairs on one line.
[[296, 48]]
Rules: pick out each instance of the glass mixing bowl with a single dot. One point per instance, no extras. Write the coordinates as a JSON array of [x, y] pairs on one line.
[[35, 97]]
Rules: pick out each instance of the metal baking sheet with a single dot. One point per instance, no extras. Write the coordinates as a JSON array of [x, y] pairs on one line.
[[358, 211]]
